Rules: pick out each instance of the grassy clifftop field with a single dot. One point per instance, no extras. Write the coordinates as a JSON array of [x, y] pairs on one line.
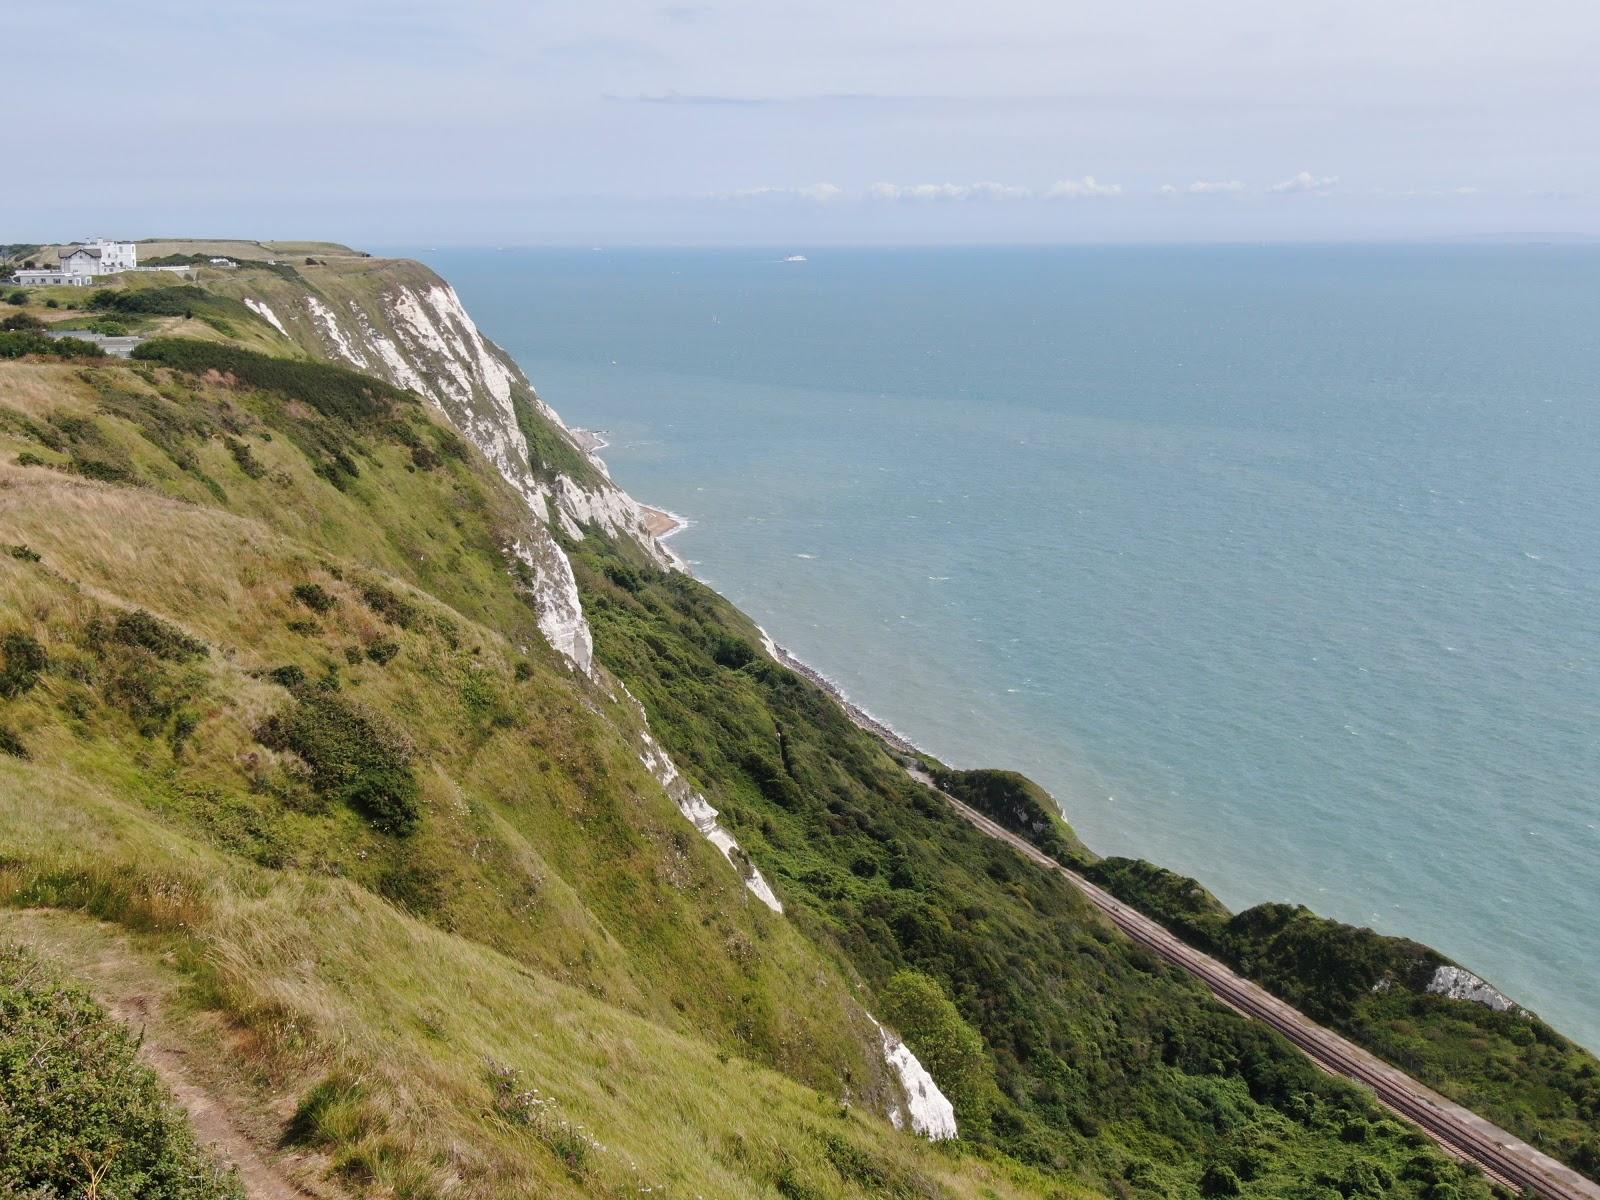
[[354, 740]]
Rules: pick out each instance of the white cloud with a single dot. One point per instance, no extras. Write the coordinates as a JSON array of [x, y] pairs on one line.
[[1073, 189], [1214, 187], [1203, 187], [821, 193], [987, 190], [1305, 181]]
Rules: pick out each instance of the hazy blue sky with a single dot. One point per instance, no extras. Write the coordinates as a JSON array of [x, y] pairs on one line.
[[801, 121]]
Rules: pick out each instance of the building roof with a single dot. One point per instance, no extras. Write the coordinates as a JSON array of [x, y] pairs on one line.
[[91, 251]]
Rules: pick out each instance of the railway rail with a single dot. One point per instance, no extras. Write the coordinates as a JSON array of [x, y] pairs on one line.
[[1505, 1159]]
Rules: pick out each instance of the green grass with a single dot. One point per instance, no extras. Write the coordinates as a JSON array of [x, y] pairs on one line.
[[383, 831], [544, 863]]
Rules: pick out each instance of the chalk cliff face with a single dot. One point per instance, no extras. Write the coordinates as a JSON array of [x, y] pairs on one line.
[[400, 322]]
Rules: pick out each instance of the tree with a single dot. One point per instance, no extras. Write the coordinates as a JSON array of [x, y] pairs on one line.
[[1219, 1180], [943, 1042]]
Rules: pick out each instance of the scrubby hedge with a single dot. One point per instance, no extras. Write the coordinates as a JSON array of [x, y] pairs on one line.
[[333, 391], [354, 756], [1105, 1063], [19, 342], [1018, 804], [79, 1115]]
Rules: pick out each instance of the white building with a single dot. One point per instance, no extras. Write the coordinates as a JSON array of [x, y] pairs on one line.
[[48, 277], [99, 257], [80, 264]]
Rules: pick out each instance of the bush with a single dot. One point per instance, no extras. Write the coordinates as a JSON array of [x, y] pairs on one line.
[[158, 302], [943, 1042], [315, 597], [335, 392], [29, 459], [25, 659], [165, 641], [1219, 1180], [289, 676], [79, 1103], [382, 651], [23, 552], [11, 744], [19, 321], [18, 297], [244, 457], [354, 758], [391, 606], [16, 344]]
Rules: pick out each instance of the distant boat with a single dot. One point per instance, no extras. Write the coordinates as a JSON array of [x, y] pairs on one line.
[[795, 258]]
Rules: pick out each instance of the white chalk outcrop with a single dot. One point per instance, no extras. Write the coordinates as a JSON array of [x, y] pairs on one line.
[[260, 308], [1458, 983], [928, 1110], [334, 335], [697, 809], [420, 337]]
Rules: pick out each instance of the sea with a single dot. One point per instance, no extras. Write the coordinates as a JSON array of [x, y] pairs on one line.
[[1278, 566]]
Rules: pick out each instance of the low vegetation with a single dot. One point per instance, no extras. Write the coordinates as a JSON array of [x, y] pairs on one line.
[[1066, 1047], [1510, 1066], [79, 1115]]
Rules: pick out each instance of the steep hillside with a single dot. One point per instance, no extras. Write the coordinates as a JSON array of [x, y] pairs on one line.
[[487, 852]]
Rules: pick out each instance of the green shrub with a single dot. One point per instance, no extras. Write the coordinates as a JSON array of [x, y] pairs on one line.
[[11, 744], [289, 676], [23, 552], [391, 606], [24, 660], [315, 597], [20, 321], [165, 641], [335, 392], [28, 459], [18, 297], [244, 457], [81, 1115], [382, 651], [1220, 1180], [951, 1050], [177, 301], [355, 758], [94, 467], [27, 341]]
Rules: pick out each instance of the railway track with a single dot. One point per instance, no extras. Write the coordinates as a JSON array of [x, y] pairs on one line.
[[1505, 1159]]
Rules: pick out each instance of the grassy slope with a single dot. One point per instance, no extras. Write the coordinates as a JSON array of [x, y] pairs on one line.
[[1096, 1060], [553, 912]]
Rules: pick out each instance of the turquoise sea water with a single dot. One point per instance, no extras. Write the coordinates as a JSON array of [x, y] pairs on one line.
[[1278, 566]]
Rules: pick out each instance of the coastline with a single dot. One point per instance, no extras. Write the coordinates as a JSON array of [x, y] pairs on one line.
[[662, 523], [860, 716]]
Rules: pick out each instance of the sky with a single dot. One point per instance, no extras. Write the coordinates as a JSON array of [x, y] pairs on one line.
[[801, 122]]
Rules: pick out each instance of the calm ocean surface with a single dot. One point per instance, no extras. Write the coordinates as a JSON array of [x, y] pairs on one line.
[[1278, 566]]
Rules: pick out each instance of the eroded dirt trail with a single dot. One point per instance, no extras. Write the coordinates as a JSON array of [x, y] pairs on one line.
[[236, 1126]]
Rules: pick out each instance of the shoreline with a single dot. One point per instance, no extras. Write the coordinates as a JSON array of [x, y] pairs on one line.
[[860, 716], [662, 523]]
